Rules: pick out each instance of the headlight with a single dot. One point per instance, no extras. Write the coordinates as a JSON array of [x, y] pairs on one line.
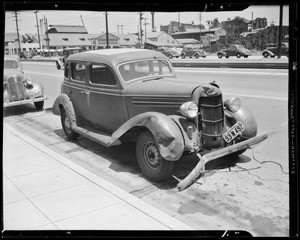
[[28, 80], [233, 104], [189, 109]]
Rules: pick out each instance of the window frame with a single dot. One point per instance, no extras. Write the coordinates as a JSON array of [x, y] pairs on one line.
[[89, 68]]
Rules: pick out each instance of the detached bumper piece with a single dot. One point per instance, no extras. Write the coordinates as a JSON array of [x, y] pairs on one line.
[[200, 167], [10, 104]]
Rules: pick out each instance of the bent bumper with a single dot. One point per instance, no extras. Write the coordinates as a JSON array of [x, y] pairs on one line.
[[10, 104], [191, 178]]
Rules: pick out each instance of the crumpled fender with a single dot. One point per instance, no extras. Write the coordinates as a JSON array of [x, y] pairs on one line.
[[64, 101], [165, 131], [245, 116]]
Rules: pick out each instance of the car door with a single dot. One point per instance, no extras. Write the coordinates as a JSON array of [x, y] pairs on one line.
[[77, 91], [106, 98], [232, 50]]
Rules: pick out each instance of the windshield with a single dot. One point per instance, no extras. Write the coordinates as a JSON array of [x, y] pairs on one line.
[[143, 69], [8, 64]]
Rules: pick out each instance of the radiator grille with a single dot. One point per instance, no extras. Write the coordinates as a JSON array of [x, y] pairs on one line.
[[16, 88], [211, 121]]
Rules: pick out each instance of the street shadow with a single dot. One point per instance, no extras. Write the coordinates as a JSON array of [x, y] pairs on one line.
[[122, 158], [20, 110]]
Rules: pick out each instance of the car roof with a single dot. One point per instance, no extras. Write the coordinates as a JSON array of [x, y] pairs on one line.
[[114, 57]]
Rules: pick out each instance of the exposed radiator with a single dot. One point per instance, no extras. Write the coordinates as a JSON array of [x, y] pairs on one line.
[[16, 88]]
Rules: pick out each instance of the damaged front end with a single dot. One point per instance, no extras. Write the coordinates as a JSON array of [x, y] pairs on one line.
[[217, 129]]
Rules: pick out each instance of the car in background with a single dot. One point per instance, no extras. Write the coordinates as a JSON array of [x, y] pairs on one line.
[[60, 62], [18, 89], [272, 50], [192, 52], [236, 50], [117, 95], [169, 52]]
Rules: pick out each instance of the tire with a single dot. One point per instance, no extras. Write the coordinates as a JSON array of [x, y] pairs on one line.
[[170, 56], [58, 65], [227, 56], [65, 122], [265, 54], [238, 55], [196, 55], [151, 163], [287, 54], [39, 105], [204, 56], [219, 55], [245, 56], [183, 55]]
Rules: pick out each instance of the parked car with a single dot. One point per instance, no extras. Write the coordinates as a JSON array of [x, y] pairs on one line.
[[65, 54], [169, 52], [115, 95], [18, 89], [272, 50], [192, 52], [234, 50]]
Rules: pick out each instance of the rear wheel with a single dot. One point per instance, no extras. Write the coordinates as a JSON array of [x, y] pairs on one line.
[[39, 105], [287, 54], [219, 55], [152, 164], [196, 55], [265, 54], [183, 55], [238, 55], [245, 56], [58, 65], [66, 124], [170, 56]]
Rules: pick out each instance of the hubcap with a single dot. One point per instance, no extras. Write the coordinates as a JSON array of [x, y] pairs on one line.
[[151, 155], [67, 123]]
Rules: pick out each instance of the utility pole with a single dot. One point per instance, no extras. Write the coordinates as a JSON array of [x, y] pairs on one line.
[[252, 23], [153, 28], [19, 52], [141, 29], [47, 39], [280, 31], [106, 24], [145, 20], [37, 26], [82, 20], [200, 17]]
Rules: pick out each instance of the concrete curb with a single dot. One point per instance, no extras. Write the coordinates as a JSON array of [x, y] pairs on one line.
[[155, 213]]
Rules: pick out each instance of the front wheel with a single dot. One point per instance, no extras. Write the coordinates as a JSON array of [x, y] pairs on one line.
[[196, 55], [58, 65], [219, 55], [183, 55], [66, 124], [170, 56], [238, 55], [152, 164], [39, 105]]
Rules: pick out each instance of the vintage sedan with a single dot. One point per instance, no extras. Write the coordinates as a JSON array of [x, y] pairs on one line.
[[192, 52], [115, 95], [18, 89], [169, 52], [234, 50], [272, 50], [60, 62]]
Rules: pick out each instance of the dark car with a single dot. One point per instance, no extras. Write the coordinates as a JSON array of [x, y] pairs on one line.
[[18, 89], [116, 95], [272, 50], [234, 50], [192, 52], [65, 54], [170, 53]]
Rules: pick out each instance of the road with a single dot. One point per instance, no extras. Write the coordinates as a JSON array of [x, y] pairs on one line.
[[240, 193]]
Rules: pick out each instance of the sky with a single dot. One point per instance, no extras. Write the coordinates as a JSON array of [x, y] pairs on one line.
[[127, 22]]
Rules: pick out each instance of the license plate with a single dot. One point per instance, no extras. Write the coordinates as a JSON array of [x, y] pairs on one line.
[[35, 95], [233, 132]]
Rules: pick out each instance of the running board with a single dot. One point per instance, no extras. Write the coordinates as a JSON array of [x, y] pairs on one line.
[[101, 138]]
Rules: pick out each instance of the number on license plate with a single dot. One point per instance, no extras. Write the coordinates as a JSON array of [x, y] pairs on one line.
[[233, 132]]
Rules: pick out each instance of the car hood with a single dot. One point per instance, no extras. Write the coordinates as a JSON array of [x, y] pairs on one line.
[[12, 71], [166, 86]]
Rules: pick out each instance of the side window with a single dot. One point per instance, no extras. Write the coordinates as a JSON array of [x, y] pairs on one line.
[[78, 72], [161, 67], [66, 70], [101, 74]]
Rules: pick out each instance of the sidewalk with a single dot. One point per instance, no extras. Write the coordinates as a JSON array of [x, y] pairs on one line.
[[43, 190]]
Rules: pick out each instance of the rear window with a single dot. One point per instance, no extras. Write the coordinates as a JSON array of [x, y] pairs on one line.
[[78, 72]]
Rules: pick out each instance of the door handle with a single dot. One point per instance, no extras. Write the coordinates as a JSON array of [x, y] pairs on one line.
[[85, 91]]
